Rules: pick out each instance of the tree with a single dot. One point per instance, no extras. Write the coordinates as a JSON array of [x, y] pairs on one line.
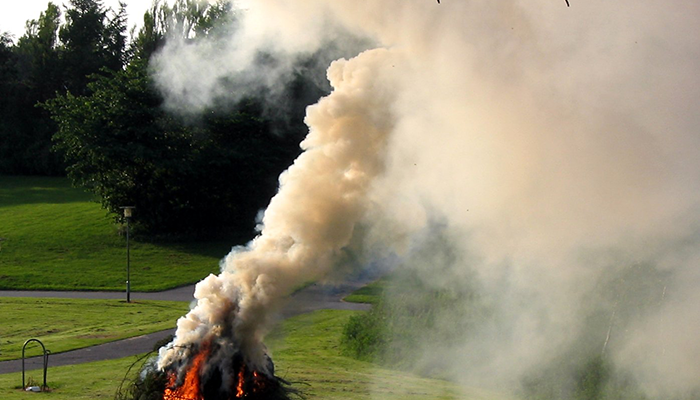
[[205, 175], [31, 74], [185, 19], [195, 178], [92, 42], [149, 37], [7, 70], [8, 78], [51, 58]]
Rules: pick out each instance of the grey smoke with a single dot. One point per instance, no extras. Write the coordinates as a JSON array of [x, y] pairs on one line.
[[558, 144]]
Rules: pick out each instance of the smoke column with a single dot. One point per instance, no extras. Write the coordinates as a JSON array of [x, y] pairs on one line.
[[310, 220], [558, 145]]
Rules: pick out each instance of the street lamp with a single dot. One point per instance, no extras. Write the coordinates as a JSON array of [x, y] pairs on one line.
[[127, 215]]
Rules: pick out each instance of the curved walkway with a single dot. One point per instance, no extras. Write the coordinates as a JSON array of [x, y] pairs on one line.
[[312, 298], [185, 293]]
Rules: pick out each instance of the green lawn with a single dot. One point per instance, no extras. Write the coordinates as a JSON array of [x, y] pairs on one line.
[[369, 294], [97, 380], [305, 349], [66, 324], [56, 237]]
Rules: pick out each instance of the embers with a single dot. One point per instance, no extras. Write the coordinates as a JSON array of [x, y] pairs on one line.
[[228, 382]]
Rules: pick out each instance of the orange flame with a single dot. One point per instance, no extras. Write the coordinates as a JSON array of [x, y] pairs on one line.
[[189, 390], [241, 380]]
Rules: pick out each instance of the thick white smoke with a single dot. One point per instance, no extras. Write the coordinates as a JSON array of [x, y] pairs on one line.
[[558, 144], [312, 218]]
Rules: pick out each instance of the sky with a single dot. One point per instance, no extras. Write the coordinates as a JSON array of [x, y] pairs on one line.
[[16, 13]]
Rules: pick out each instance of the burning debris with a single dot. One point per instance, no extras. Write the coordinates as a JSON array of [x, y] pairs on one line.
[[574, 153], [210, 373], [205, 377], [218, 351]]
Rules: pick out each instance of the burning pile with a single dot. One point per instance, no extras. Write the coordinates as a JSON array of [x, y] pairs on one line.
[[210, 372], [199, 379], [571, 137], [218, 351]]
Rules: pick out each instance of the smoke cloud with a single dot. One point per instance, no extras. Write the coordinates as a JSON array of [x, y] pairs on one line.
[[311, 219], [557, 144]]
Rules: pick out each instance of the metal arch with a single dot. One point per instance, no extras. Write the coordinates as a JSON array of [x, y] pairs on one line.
[[46, 360]]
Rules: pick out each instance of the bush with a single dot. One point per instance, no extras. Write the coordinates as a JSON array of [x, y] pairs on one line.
[[364, 336], [393, 332]]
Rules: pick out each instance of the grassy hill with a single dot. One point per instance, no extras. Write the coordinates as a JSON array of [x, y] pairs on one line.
[[57, 237]]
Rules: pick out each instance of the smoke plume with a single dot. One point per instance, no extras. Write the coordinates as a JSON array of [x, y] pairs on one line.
[[557, 144], [311, 219]]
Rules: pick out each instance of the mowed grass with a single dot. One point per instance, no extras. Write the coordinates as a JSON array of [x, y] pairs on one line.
[[67, 324], [305, 351], [56, 237], [370, 294], [96, 380]]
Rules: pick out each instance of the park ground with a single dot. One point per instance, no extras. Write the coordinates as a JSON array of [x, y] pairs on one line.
[[55, 237]]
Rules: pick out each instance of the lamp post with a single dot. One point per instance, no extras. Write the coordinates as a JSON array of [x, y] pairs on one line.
[[127, 215]]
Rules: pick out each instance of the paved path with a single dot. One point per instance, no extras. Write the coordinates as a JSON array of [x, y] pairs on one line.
[[311, 298], [185, 293]]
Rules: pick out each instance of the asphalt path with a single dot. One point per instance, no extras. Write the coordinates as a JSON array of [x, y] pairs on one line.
[[312, 298]]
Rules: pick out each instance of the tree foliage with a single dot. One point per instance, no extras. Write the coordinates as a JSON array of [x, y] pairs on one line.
[[31, 75], [52, 58], [205, 174], [182, 177], [92, 41]]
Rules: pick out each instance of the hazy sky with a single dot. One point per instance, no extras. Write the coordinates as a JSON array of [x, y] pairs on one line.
[[15, 13]]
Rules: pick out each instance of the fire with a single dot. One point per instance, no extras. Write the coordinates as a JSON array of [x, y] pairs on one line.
[[189, 390], [203, 379], [241, 380], [258, 382]]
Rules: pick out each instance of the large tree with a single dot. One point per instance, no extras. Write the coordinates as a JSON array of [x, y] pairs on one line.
[[183, 177], [185, 19], [8, 78], [93, 40], [31, 74], [52, 58], [203, 174]]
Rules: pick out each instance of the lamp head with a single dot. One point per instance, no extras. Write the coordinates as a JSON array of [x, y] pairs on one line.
[[127, 211]]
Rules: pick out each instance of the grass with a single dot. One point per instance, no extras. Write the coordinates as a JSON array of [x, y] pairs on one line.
[[56, 237], [66, 324], [305, 349], [370, 294], [96, 380]]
